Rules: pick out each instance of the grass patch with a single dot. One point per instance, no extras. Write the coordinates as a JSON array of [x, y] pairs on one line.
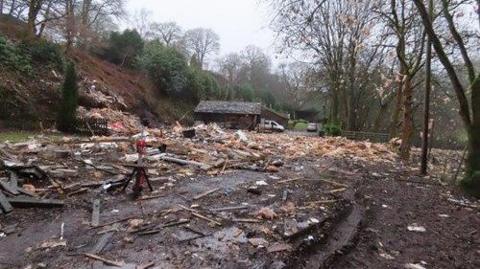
[[23, 136], [16, 136], [301, 126]]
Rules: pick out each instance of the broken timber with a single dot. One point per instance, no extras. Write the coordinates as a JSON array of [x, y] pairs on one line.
[[96, 213], [7, 207], [106, 261], [205, 193], [33, 202]]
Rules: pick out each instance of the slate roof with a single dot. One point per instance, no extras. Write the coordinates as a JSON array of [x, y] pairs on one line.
[[225, 107]]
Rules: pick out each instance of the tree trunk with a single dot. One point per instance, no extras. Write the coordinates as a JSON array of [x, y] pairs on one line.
[[428, 90], [407, 126], [70, 27], [34, 7], [472, 182], [1, 7], [398, 108]]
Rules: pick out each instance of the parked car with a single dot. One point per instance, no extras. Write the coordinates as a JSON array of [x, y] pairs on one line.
[[312, 127], [270, 125]]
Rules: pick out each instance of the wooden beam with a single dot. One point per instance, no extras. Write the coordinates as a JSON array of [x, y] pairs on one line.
[[7, 207], [96, 213], [23, 201]]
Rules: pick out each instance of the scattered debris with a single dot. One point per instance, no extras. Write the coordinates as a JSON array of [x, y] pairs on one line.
[[416, 228], [104, 260], [266, 213]]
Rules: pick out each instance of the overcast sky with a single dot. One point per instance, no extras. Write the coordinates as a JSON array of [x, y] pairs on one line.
[[238, 22]]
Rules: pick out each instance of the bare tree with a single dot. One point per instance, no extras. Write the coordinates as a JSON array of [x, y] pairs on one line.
[[335, 34], [94, 12], [169, 33], [230, 66], [402, 19], [201, 43], [142, 20], [468, 95]]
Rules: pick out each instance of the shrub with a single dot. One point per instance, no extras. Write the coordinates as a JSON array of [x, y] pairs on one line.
[[13, 58], [124, 48], [332, 129], [44, 52], [66, 117], [166, 67], [203, 86], [245, 92]]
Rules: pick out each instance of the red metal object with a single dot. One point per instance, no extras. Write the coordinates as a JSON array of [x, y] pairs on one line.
[[139, 172], [141, 146]]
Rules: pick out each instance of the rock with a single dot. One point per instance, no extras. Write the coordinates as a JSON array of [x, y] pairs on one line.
[[288, 208], [134, 223], [278, 247], [277, 265], [258, 242], [416, 228], [278, 163], [253, 145], [272, 169], [254, 190], [261, 183], [29, 188], [241, 136], [266, 213]]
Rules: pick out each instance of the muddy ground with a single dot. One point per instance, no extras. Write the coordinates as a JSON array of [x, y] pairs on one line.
[[327, 213]]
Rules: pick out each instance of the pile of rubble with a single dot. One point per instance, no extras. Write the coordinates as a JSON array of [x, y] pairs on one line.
[[119, 122], [272, 208], [53, 169]]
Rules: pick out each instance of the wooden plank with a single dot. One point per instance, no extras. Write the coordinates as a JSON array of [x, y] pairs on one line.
[[7, 207], [23, 201], [229, 208], [96, 213], [102, 242], [9, 188], [200, 216], [105, 261], [13, 179], [205, 193]]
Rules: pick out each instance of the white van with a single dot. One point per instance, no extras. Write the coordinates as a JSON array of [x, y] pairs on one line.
[[270, 125]]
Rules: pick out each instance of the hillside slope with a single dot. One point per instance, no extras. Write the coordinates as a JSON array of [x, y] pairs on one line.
[[30, 89]]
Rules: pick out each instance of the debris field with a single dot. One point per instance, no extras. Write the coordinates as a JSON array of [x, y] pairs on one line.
[[220, 199]]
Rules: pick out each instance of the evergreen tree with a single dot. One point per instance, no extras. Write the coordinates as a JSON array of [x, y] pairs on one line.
[[66, 117]]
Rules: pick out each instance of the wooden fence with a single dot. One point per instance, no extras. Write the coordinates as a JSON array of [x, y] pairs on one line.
[[373, 137], [92, 126]]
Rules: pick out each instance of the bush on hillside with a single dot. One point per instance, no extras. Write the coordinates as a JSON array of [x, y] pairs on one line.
[[45, 52], [245, 92], [13, 58], [67, 113], [124, 48], [332, 129], [203, 85], [166, 67], [267, 98]]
